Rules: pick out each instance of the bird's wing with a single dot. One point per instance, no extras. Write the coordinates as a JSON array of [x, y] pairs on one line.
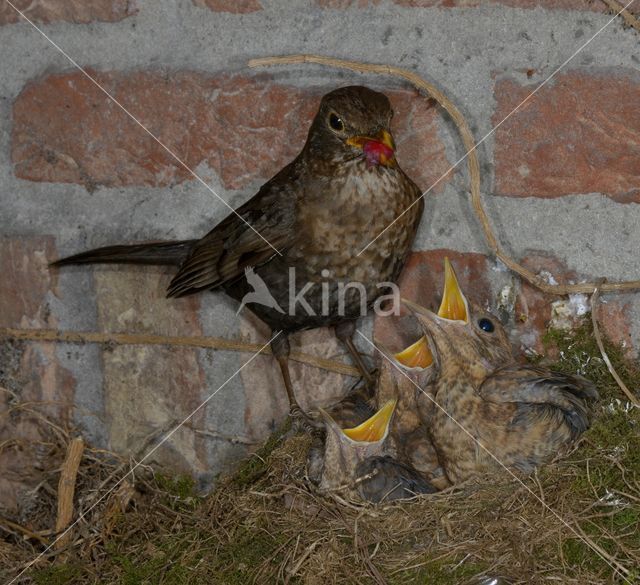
[[532, 385], [383, 478], [260, 229]]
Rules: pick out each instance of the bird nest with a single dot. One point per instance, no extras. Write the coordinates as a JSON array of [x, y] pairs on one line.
[[267, 524]]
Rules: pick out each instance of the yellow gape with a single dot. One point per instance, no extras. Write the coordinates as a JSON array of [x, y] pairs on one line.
[[374, 428], [452, 307]]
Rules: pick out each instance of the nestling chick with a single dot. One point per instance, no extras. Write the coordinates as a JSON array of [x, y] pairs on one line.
[[523, 415], [407, 376], [358, 462]]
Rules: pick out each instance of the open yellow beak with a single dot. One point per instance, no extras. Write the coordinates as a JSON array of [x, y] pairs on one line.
[[453, 306], [374, 428], [417, 355]]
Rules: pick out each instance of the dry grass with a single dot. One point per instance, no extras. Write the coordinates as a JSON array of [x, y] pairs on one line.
[[266, 524]]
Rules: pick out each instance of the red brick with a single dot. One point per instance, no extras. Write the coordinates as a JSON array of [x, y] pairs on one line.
[[26, 281], [533, 307], [32, 369], [147, 387], [614, 319], [579, 134], [234, 6], [66, 130], [77, 11], [422, 281]]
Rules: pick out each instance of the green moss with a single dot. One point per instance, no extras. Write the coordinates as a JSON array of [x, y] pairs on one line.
[[448, 571], [180, 486], [255, 466], [56, 575], [611, 447], [578, 353], [238, 562], [579, 555]]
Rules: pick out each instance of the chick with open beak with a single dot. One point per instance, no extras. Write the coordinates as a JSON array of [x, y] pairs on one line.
[[513, 415], [406, 376], [358, 463]]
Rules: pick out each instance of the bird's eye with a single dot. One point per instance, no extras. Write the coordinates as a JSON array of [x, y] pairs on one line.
[[486, 325], [336, 123]]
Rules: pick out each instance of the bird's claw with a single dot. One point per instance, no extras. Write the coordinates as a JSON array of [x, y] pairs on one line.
[[367, 387], [303, 422]]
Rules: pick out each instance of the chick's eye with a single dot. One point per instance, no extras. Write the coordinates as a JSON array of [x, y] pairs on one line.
[[486, 325], [336, 123]]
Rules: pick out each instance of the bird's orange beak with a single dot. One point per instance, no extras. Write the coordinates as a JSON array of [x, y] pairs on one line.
[[453, 307], [374, 428], [378, 150]]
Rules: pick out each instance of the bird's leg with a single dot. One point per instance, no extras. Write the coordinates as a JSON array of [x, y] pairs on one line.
[[280, 349], [344, 332]]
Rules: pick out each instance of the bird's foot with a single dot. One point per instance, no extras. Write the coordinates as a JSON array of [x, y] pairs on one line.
[[303, 422], [365, 386], [371, 383]]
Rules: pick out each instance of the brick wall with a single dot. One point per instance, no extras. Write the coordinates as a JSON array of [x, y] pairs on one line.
[[561, 179]]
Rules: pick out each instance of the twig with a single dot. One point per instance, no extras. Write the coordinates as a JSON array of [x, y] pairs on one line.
[[303, 557], [219, 343], [233, 439], [605, 555], [629, 19], [472, 161], [66, 490], [5, 524], [596, 333]]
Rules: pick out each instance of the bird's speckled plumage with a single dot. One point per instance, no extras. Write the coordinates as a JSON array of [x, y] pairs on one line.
[[337, 196], [366, 469], [524, 415]]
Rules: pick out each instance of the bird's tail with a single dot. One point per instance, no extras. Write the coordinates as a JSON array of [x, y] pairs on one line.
[[162, 253]]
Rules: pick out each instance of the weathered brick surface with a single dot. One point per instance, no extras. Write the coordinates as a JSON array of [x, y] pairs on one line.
[[26, 281], [77, 11], [579, 134], [29, 372], [265, 396], [148, 388], [234, 6], [615, 318], [27, 287], [66, 130]]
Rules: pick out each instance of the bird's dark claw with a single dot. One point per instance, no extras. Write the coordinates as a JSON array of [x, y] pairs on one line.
[[303, 422]]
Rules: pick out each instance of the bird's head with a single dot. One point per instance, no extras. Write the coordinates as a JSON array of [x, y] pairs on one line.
[[462, 339], [417, 358], [346, 448], [353, 122]]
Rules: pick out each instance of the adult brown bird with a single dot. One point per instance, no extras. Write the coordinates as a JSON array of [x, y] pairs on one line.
[[494, 412], [324, 213]]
